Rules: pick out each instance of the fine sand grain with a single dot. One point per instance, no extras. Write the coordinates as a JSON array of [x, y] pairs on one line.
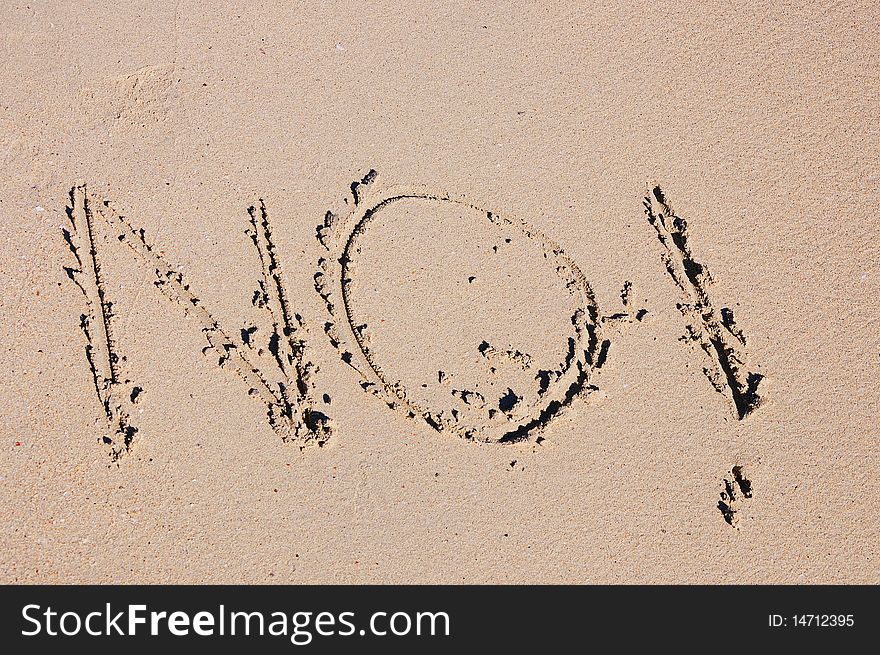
[[467, 292]]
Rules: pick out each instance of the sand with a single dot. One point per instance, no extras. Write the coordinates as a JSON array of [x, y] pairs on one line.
[[393, 293]]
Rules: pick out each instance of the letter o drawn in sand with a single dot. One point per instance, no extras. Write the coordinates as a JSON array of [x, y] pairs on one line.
[[471, 321]]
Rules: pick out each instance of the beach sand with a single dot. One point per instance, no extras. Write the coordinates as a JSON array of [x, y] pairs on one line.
[[453, 294]]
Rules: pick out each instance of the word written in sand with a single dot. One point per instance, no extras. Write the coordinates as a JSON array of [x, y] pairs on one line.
[[457, 368]]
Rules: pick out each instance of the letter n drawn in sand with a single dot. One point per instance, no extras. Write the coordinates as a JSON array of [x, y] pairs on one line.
[[287, 391]]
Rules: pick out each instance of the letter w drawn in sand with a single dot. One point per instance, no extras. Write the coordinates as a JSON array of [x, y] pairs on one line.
[[287, 394]]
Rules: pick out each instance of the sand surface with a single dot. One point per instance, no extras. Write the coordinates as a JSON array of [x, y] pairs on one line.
[[467, 292]]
